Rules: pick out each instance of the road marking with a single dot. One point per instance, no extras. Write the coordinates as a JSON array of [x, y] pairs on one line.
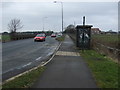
[[27, 64], [38, 58], [42, 64], [65, 53], [7, 70]]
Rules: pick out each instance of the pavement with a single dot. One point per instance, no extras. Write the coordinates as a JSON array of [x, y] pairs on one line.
[[66, 70]]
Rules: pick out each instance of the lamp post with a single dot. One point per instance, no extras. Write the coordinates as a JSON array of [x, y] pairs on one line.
[[43, 23], [61, 11]]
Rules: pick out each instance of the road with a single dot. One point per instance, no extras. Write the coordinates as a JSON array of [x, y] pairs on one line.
[[21, 55]]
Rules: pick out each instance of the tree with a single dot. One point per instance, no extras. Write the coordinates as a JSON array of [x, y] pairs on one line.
[[70, 29], [14, 25]]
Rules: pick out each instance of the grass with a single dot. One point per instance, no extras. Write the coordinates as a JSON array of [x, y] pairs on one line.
[[104, 70], [24, 81], [5, 38], [108, 40], [61, 38]]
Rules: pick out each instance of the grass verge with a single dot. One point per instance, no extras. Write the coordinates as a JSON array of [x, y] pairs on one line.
[[24, 81], [104, 70], [5, 38], [61, 38]]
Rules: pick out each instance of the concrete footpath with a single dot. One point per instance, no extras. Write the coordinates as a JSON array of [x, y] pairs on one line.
[[66, 70]]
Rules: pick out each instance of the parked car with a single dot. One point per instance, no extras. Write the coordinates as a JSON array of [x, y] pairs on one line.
[[53, 35], [40, 37]]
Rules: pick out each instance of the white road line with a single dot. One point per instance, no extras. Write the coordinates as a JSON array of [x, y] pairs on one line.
[[38, 58], [8, 70], [42, 64], [27, 64]]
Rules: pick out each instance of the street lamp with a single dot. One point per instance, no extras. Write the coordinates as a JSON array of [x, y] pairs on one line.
[[61, 11], [43, 22]]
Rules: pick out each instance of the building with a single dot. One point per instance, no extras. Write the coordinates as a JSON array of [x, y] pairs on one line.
[[95, 31], [110, 32]]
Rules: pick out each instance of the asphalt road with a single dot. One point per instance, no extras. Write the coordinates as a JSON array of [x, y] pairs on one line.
[[21, 55]]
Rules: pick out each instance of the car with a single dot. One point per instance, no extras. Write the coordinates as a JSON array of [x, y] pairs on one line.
[[40, 37], [59, 34], [53, 35]]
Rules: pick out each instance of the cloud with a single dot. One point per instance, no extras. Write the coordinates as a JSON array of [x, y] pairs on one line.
[[61, 0], [100, 14]]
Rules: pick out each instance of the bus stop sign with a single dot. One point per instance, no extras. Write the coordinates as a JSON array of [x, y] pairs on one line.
[[83, 36]]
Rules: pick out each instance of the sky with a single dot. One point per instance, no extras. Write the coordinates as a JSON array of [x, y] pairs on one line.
[[36, 15]]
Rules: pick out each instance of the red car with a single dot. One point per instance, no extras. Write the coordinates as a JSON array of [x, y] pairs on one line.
[[40, 37]]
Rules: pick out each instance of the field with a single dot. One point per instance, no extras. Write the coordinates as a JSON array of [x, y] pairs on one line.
[[107, 40], [5, 38], [108, 45], [0, 37]]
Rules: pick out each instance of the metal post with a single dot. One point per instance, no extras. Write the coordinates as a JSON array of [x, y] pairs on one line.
[[84, 21], [43, 22], [62, 12], [83, 37]]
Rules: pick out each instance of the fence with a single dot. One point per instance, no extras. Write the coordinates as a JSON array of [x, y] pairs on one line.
[[23, 35], [18, 36]]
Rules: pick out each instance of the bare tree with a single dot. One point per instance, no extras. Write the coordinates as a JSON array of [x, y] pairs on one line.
[[14, 25]]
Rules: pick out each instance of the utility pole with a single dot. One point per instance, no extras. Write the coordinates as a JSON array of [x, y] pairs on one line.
[[61, 12], [83, 34], [84, 21], [43, 23]]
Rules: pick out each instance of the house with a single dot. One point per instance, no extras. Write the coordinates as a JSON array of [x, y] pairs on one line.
[[110, 32], [103, 32], [95, 31]]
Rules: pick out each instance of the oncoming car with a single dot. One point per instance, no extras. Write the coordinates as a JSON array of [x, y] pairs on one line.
[[53, 35], [40, 37], [59, 34]]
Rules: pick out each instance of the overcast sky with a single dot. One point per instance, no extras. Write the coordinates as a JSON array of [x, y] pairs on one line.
[[103, 15]]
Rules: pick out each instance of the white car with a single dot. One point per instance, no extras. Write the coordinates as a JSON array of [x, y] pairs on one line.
[[53, 35], [59, 34]]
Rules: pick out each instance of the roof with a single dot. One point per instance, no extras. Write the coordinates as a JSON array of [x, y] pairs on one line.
[[95, 29], [84, 26]]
